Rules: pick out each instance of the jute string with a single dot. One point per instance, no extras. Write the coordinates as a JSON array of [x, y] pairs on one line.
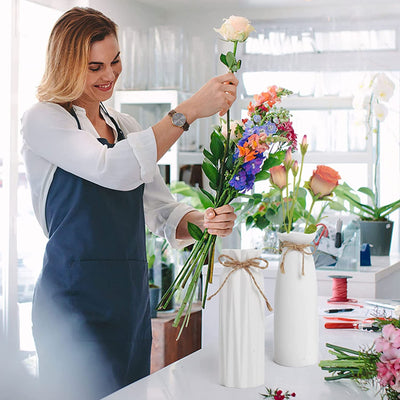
[[289, 246], [229, 262]]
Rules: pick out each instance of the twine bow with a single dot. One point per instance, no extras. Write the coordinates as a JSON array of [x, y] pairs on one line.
[[236, 265], [289, 246]]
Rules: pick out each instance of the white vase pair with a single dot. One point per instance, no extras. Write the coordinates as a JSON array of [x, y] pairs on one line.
[[242, 315]]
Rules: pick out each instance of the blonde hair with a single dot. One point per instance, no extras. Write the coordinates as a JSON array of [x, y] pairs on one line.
[[67, 55]]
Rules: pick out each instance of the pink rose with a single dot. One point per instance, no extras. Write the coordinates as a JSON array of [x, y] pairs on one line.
[[323, 181], [278, 176]]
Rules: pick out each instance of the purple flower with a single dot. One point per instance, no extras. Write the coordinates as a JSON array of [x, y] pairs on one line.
[[239, 181], [250, 182], [253, 167]]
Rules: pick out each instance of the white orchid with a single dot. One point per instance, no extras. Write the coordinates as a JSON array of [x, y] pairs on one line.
[[382, 87], [380, 111]]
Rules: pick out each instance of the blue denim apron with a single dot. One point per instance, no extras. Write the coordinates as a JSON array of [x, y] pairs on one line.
[[91, 319]]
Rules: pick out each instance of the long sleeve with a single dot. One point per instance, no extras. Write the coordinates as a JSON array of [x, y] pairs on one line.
[[51, 133]]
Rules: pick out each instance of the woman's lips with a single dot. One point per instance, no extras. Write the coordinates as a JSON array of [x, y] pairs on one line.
[[104, 87]]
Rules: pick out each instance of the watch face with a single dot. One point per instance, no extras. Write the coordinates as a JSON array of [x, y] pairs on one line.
[[178, 119]]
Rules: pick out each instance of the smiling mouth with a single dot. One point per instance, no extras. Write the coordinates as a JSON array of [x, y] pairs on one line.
[[105, 86]]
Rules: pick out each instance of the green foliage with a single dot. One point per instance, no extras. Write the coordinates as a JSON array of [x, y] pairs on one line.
[[217, 145], [230, 61], [262, 210], [195, 232], [211, 172], [350, 201]]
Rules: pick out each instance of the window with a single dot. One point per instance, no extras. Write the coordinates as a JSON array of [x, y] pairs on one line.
[[323, 62]]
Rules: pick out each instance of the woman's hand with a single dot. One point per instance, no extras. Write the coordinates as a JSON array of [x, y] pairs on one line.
[[216, 96], [219, 221]]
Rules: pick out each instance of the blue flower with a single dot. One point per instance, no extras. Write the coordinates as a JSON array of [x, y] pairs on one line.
[[257, 118], [249, 124], [270, 128]]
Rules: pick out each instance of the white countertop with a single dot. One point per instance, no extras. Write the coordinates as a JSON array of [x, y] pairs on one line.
[[195, 377]]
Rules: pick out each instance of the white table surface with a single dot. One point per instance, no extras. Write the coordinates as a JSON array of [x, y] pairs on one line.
[[195, 377]]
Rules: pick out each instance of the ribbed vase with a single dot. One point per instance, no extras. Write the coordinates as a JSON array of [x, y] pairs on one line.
[[295, 307], [241, 325]]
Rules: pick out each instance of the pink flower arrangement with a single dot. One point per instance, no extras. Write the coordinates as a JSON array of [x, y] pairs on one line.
[[381, 363], [388, 368]]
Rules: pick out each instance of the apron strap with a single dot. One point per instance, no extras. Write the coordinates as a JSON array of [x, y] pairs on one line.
[[121, 135]]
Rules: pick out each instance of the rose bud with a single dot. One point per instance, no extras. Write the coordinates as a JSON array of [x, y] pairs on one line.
[[295, 168], [304, 145], [323, 181], [278, 176], [288, 162]]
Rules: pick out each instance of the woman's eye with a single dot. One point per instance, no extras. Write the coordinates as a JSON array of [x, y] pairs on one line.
[[115, 62], [94, 69]]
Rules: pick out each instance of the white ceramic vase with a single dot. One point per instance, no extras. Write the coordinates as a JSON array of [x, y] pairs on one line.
[[295, 307], [241, 325]]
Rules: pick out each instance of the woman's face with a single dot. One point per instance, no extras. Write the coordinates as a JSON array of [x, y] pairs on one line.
[[103, 70]]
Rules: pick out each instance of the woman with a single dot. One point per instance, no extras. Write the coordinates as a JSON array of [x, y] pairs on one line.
[[95, 184]]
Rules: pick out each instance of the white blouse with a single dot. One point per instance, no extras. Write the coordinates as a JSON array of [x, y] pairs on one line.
[[51, 139]]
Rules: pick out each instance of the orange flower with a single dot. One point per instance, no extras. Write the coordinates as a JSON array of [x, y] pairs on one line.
[[247, 153], [270, 97], [250, 108], [323, 181]]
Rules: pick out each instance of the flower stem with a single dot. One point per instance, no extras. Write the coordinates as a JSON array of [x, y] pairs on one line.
[[309, 213]]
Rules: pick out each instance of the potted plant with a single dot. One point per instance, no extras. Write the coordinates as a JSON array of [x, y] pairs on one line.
[[375, 226]]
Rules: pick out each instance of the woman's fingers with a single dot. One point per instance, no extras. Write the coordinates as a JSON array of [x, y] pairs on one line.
[[220, 221]]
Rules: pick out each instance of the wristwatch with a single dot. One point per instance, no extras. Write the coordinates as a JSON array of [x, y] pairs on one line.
[[179, 120]]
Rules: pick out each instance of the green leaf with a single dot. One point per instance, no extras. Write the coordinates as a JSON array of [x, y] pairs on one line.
[[262, 176], [229, 163], [230, 59], [335, 205], [271, 162], [213, 185], [262, 222], [239, 64], [310, 229], [368, 192], [257, 198], [211, 172], [249, 221], [217, 146], [207, 200], [222, 57], [194, 231], [210, 157]]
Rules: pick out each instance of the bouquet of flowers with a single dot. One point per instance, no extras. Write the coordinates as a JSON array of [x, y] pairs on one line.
[[378, 365], [234, 162]]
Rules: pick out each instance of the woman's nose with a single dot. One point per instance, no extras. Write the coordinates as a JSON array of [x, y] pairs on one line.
[[109, 73]]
